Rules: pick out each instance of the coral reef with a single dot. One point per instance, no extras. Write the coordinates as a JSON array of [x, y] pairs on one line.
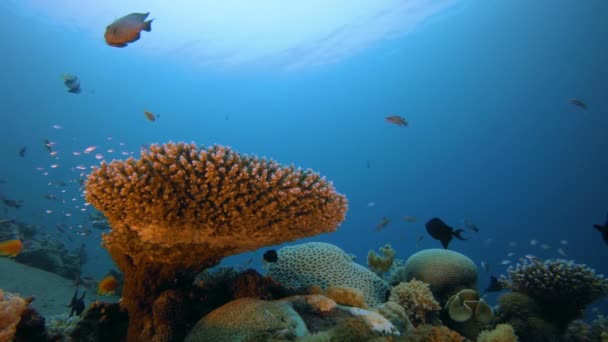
[[562, 288], [416, 299], [396, 274], [61, 325], [51, 256], [447, 272], [430, 333], [502, 333], [31, 328], [578, 331], [466, 313], [309, 317], [102, 322], [524, 315], [247, 319], [381, 263], [346, 296], [11, 309], [466, 305], [396, 314], [180, 209], [325, 265]]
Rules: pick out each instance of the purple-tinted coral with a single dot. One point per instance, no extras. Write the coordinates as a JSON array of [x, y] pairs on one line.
[[556, 281]]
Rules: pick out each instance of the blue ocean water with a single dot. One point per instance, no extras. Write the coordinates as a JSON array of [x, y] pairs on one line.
[[492, 136]]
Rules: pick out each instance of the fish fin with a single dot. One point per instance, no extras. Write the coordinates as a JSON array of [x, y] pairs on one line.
[[147, 25], [445, 243], [457, 233], [598, 227], [119, 45], [606, 224]]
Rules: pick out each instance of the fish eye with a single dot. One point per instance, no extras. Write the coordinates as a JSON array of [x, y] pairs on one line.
[[114, 30]]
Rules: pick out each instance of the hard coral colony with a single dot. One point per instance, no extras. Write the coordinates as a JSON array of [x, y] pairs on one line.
[[180, 209]]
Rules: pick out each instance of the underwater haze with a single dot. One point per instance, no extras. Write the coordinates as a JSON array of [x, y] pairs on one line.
[[492, 136]]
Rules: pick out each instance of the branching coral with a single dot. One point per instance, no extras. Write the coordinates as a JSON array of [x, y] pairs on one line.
[[561, 288], [322, 264], [180, 209], [417, 300], [381, 263], [11, 308]]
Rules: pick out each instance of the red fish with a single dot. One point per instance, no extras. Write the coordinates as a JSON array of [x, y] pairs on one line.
[[397, 120]]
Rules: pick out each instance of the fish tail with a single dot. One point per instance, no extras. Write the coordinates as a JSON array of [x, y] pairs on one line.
[[147, 25], [457, 233]]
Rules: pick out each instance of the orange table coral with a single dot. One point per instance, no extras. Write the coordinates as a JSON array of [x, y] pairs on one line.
[[180, 209]]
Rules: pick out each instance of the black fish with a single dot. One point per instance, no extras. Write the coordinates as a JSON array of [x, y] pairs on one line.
[[271, 255], [442, 232], [603, 229], [22, 151], [494, 285], [48, 145], [578, 103], [12, 203], [77, 304]]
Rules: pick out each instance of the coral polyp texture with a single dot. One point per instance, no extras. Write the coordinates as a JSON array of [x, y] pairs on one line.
[[325, 265], [180, 209], [447, 272], [562, 288], [11, 308], [178, 193]]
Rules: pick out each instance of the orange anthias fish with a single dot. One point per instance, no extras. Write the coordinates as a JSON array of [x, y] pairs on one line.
[[11, 248], [385, 221], [108, 285], [150, 116], [397, 120]]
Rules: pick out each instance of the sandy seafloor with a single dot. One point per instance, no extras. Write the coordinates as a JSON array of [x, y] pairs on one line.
[[52, 292]]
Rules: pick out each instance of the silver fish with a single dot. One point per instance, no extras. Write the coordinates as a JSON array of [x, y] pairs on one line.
[[127, 29]]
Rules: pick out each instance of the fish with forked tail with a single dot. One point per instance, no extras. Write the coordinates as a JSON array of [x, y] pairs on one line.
[[442, 232], [127, 29], [603, 229]]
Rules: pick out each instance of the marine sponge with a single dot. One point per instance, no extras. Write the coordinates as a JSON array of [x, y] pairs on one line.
[[562, 288], [380, 264], [346, 296], [180, 209], [11, 308], [502, 333], [444, 270], [416, 298], [325, 265], [430, 333]]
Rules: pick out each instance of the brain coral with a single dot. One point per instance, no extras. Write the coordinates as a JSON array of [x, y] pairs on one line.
[[179, 209], [444, 270], [325, 265]]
